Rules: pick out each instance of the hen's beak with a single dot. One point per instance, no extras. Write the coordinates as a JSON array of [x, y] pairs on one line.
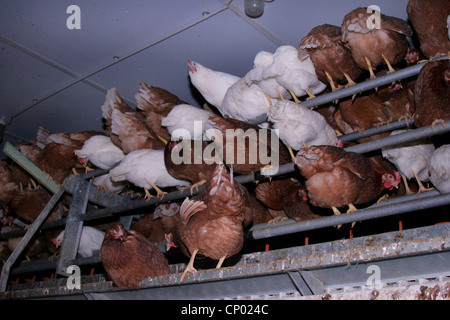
[[191, 66]]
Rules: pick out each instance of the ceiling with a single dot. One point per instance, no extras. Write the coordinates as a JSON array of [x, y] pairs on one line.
[[56, 77]]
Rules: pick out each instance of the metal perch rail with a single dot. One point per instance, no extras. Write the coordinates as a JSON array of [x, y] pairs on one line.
[[124, 206]]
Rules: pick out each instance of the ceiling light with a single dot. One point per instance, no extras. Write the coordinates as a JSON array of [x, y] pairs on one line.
[[254, 8]]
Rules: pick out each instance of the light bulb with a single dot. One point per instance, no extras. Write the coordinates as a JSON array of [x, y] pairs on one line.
[[254, 8]]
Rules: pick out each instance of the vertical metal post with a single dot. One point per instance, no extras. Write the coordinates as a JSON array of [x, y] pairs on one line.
[[74, 226]]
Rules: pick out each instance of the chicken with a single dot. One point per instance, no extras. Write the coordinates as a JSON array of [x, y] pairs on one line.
[[212, 223], [35, 247], [429, 19], [132, 131], [90, 241], [252, 148], [295, 75], [245, 102], [101, 152], [413, 56], [189, 118], [104, 182], [269, 85], [150, 227], [129, 258], [184, 161], [211, 84], [57, 160], [286, 194], [411, 159], [432, 93], [146, 169], [336, 178], [114, 101], [440, 169], [372, 45], [29, 204], [76, 139], [8, 186], [168, 214], [332, 60], [299, 126], [363, 112], [156, 103]]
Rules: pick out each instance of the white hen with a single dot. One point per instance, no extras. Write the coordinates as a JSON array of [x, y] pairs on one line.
[[299, 126], [104, 182], [211, 84], [184, 116], [90, 241], [101, 152], [270, 86], [292, 73], [440, 168], [145, 168], [245, 103], [412, 159]]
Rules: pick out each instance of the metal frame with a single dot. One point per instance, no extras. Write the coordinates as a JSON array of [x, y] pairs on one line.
[[123, 206]]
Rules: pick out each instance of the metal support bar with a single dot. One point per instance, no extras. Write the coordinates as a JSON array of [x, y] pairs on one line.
[[360, 215], [393, 140], [72, 231], [30, 233]]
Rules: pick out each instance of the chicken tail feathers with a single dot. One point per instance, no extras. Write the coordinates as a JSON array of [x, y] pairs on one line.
[[189, 208]]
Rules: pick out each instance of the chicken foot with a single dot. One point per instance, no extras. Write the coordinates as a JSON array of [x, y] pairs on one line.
[[190, 266], [421, 186], [330, 80], [221, 260], [388, 63], [294, 96], [159, 192], [197, 184], [369, 67]]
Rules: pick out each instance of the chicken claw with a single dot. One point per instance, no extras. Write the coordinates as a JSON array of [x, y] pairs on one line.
[[147, 196], [351, 208], [190, 266], [310, 95], [438, 121], [330, 80], [387, 63], [198, 184], [159, 192], [369, 67], [294, 96], [421, 186], [221, 260]]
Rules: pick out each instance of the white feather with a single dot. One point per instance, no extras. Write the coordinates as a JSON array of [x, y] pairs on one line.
[[100, 151], [440, 168], [184, 116], [408, 157], [144, 167], [299, 125], [211, 84]]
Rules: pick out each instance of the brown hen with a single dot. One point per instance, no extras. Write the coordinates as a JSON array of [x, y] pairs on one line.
[[8, 186], [374, 45], [246, 141], [151, 228], [429, 19], [336, 178], [332, 60], [212, 222], [128, 257], [432, 93], [156, 103], [183, 162]]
